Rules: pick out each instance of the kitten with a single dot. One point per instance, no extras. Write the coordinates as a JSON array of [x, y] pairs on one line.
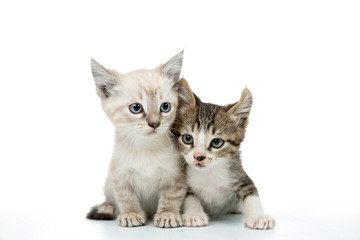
[[145, 175], [209, 137]]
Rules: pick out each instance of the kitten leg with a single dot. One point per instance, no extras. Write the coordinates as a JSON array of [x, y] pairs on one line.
[[250, 204], [131, 214], [171, 198], [254, 214], [194, 215]]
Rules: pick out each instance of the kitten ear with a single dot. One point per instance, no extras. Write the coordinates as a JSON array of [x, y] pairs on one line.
[[172, 68], [240, 111], [186, 96], [104, 81]]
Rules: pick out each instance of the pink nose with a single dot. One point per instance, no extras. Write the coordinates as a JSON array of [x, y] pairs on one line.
[[199, 157]]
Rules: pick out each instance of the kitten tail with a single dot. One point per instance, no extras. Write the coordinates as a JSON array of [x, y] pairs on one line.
[[95, 214]]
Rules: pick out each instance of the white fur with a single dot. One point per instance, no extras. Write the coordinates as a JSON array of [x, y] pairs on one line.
[[251, 206], [200, 147], [254, 214], [211, 185]]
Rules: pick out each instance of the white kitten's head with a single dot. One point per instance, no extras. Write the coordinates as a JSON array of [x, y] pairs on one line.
[[142, 102]]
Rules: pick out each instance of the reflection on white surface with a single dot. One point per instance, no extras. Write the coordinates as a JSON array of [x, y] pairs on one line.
[[72, 225]]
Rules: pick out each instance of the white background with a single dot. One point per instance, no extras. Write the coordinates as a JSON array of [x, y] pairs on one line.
[[300, 59]]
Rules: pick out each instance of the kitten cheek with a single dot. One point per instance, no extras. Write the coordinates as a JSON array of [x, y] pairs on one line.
[[168, 117], [162, 129], [226, 153], [189, 159]]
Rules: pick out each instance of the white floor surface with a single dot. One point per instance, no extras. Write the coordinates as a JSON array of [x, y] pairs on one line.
[[73, 225]]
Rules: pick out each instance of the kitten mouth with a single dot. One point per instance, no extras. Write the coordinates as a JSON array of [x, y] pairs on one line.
[[199, 165], [152, 132]]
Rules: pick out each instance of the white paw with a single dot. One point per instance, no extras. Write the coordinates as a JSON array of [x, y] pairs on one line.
[[261, 222], [131, 219], [195, 219], [167, 220]]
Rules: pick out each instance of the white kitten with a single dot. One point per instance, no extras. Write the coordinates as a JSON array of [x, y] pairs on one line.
[[145, 175]]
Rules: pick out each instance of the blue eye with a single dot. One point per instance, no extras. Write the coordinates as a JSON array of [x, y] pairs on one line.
[[135, 108], [165, 107], [187, 139], [217, 143]]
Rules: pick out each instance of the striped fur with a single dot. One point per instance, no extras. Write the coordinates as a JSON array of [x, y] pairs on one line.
[[218, 179]]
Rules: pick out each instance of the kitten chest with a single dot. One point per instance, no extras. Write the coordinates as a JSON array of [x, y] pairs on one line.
[[211, 186], [146, 172]]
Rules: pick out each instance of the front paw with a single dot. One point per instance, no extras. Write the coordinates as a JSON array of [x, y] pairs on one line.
[[167, 219], [261, 222], [131, 219], [195, 219]]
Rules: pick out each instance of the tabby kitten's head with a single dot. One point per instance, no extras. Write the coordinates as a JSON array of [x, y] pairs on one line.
[[209, 134], [141, 103]]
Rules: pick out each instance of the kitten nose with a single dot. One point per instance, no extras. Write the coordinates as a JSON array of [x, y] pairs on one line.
[[199, 157], [154, 124]]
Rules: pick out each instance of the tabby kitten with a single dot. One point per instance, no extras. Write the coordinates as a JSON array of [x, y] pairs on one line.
[[209, 137], [145, 176]]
